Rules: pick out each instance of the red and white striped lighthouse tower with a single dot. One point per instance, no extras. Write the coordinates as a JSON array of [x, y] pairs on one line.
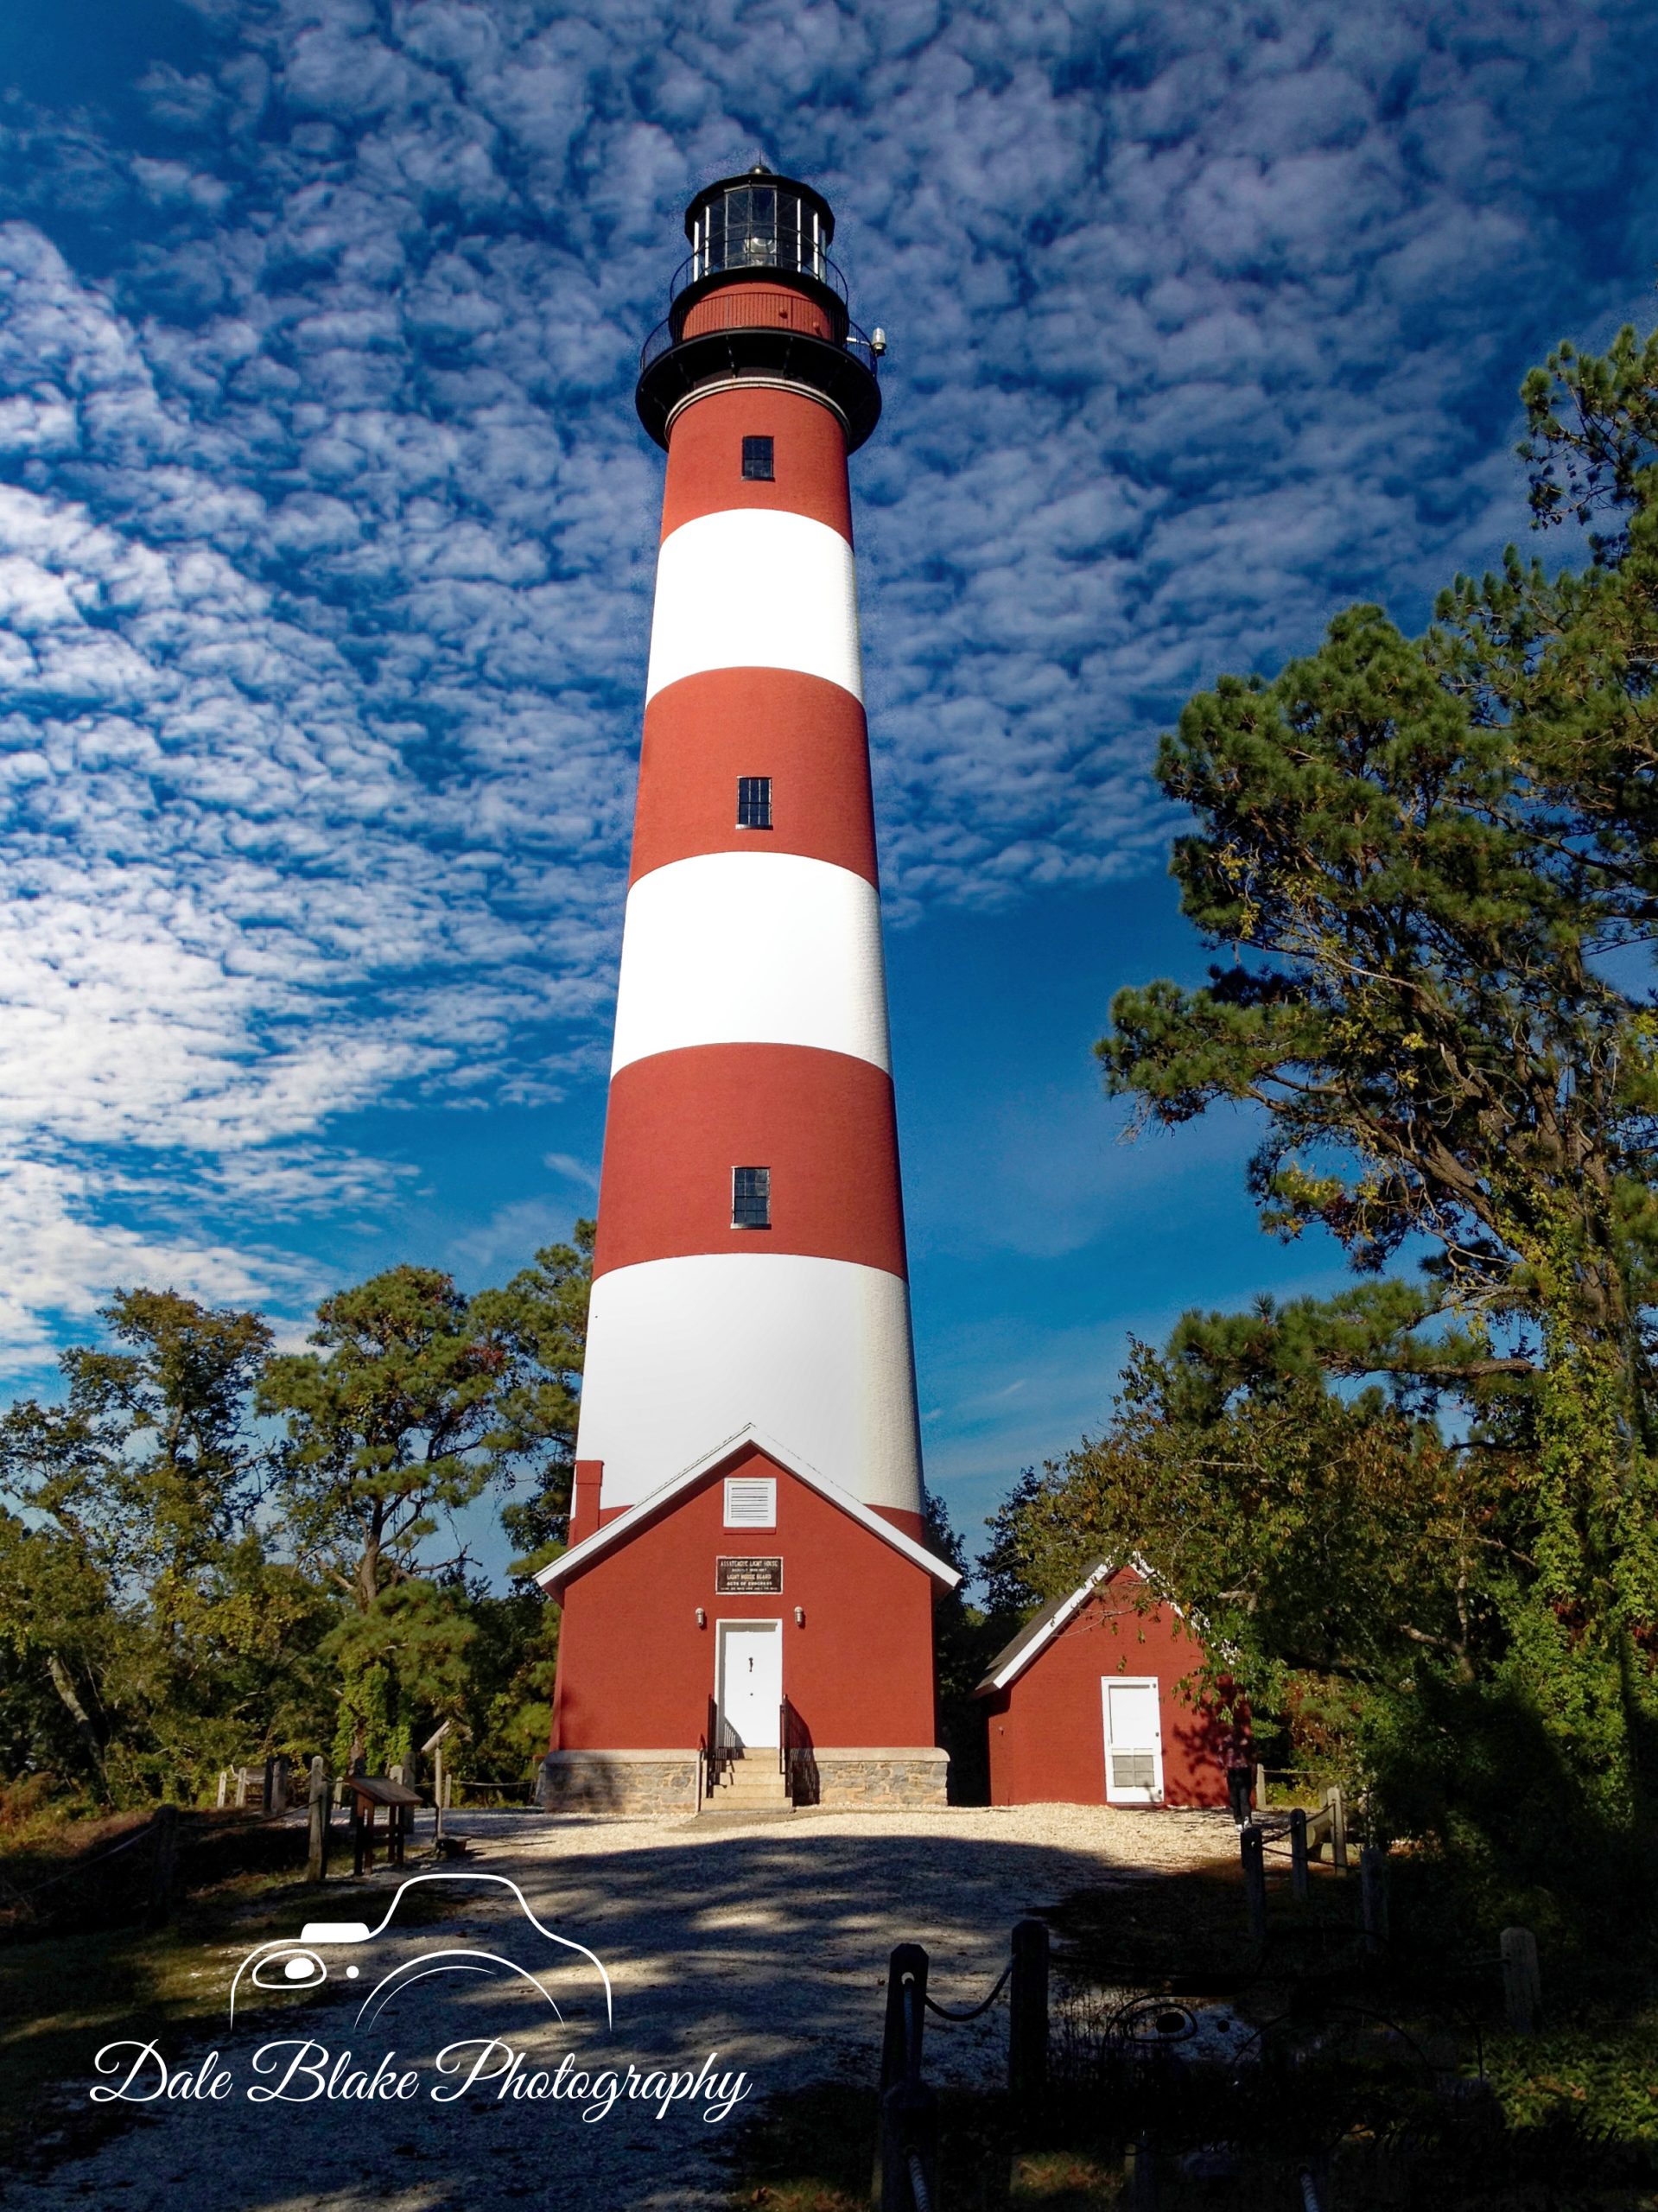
[[748, 1466]]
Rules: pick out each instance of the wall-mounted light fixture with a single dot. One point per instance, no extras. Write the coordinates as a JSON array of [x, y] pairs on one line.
[[701, 1617], [800, 1617]]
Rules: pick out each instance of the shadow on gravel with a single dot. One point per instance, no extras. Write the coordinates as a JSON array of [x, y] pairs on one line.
[[767, 1947]]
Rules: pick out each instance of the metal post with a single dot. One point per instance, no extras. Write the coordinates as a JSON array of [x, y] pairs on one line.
[[1252, 1851], [316, 1864], [1523, 1982], [1028, 2022], [1141, 2193], [1373, 1898], [909, 2148], [1299, 1884], [278, 1784]]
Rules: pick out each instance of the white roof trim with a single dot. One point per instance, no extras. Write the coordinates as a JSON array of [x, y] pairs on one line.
[[616, 1531]]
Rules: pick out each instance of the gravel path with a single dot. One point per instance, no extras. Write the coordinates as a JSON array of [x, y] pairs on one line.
[[765, 1941]]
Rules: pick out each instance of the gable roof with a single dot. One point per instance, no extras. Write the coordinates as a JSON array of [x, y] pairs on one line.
[[628, 1522], [1041, 1629]]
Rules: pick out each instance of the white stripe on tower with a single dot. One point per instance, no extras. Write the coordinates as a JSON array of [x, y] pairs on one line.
[[822, 1364], [752, 949], [755, 587]]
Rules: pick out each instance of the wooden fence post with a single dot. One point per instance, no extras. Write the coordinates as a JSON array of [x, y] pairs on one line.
[[1522, 1982], [316, 1864], [241, 1788], [1299, 1883], [396, 1821], [1252, 1851], [1027, 2022], [223, 1786], [268, 1787], [1373, 1898], [164, 1870], [907, 1968], [1260, 1787], [1337, 1827]]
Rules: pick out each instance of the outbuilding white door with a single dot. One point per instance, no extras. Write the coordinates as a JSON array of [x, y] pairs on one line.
[[750, 1683], [1134, 1740]]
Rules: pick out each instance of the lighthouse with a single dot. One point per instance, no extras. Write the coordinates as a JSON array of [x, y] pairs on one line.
[[746, 1600]]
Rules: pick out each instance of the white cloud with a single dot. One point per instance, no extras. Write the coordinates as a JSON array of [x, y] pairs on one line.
[[325, 531]]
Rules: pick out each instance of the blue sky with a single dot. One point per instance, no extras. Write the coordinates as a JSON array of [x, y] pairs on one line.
[[326, 534]]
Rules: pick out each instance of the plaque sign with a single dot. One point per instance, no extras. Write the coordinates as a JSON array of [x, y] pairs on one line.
[[748, 1578]]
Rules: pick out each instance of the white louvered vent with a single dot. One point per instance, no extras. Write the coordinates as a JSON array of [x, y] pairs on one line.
[[751, 1502]]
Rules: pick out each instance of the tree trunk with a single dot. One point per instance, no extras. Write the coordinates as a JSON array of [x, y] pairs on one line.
[[63, 1683]]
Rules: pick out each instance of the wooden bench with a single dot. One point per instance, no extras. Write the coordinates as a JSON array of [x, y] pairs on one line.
[[368, 1793]]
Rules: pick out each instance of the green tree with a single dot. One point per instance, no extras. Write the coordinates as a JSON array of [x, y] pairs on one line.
[[416, 1401], [1430, 865], [134, 1580]]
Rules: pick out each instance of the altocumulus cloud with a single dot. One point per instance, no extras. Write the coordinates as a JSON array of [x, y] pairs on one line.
[[325, 526]]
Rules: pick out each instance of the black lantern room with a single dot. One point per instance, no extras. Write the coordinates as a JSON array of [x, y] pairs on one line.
[[759, 299]]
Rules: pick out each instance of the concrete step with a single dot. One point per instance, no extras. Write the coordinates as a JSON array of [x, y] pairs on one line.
[[757, 1791]]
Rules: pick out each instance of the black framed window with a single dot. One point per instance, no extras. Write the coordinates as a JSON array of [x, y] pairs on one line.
[[757, 460], [751, 1197], [753, 802]]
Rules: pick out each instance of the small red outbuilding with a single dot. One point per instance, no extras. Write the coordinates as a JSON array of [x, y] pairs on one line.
[[1084, 1706]]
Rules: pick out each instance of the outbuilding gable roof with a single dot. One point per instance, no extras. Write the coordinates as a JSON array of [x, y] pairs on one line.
[[628, 1522], [1041, 1629]]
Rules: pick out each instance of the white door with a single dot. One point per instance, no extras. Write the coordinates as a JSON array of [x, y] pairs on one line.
[[1134, 1740], [750, 1683]]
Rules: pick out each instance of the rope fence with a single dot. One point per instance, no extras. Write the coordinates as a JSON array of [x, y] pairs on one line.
[[1128, 2046]]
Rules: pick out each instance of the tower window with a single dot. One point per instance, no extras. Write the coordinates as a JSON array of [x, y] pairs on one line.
[[757, 460], [751, 1197], [753, 802]]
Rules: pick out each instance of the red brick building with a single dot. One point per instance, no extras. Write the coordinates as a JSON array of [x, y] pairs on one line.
[[747, 1584], [1085, 1704]]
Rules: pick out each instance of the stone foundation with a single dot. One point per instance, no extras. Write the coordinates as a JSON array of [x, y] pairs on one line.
[[621, 1783], [872, 1779], [625, 1784]]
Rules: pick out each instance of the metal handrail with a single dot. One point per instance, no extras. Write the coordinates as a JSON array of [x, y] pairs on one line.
[[663, 339], [719, 1751], [817, 266]]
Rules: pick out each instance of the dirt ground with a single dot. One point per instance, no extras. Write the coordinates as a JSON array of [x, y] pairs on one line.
[[765, 1942]]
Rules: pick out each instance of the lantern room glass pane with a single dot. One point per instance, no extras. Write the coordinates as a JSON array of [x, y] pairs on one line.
[[755, 225]]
